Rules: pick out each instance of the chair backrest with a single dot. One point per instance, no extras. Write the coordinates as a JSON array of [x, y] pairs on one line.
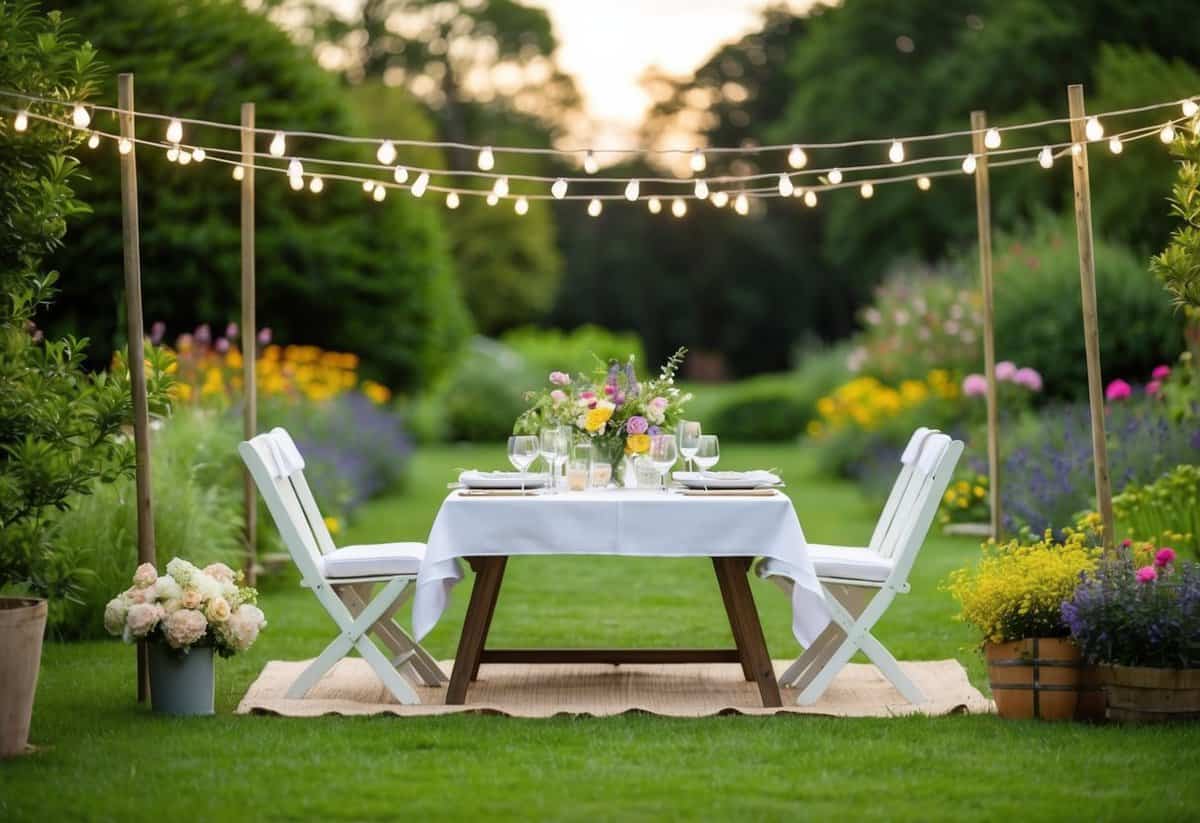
[[914, 516], [908, 459]]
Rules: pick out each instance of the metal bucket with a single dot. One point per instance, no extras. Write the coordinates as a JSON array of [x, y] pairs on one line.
[[183, 684]]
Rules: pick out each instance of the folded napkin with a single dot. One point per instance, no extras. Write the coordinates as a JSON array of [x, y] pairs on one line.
[[500, 479], [762, 478]]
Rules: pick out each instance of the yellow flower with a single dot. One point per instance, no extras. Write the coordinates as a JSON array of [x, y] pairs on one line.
[[333, 524], [377, 393], [597, 417], [979, 492], [233, 359], [637, 444]]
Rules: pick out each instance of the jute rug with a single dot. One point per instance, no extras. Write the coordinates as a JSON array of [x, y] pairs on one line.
[[601, 690]]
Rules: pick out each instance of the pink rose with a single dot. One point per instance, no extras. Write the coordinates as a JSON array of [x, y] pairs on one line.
[[587, 398], [191, 599], [637, 425], [219, 572], [1161, 372], [1006, 370], [134, 595], [1153, 387], [560, 378], [659, 403], [1029, 378], [558, 395], [974, 385], [1118, 390], [1164, 557], [1146, 574], [145, 576], [142, 618], [184, 627]]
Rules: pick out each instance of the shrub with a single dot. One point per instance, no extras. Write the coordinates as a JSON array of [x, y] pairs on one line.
[[481, 397], [1168, 509], [1178, 266], [574, 351]]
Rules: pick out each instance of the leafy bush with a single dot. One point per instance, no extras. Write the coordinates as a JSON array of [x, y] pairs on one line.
[[481, 397], [574, 351], [1167, 509], [1178, 266]]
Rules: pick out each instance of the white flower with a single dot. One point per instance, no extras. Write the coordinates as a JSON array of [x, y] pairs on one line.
[[184, 627], [217, 610], [206, 585], [114, 615], [220, 572], [181, 570], [167, 588], [241, 629]]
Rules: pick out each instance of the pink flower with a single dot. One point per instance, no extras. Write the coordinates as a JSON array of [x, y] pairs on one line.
[[1164, 557], [587, 398], [1153, 387], [142, 618], [558, 396], [609, 389], [560, 378], [184, 627], [1146, 574], [219, 572], [157, 331], [1161, 372], [231, 331], [1126, 543], [974, 385], [203, 334], [659, 403], [145, 575], [1118, 390], [264, 336], [222, 345], [637, 425], [1029, 378], [1006, 370]]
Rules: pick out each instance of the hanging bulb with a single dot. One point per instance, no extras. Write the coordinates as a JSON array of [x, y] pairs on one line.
[[698, 162], [452, 200], [297, 183], [835, 176], [278, 145], [654, 204], [924, 183], [969, 164], [386, 153], [199, 154], [720, 199], [559, 189], [174, 131], [521, 206], [590, 165], [295, 169], [798, 192], [500, 187], [239, 171], [1167, 135], [1190, 108], [1115, 145], [379, 193], [701, 189], [594, 207], [492, 199], [785, 186], [420, 184], [1076, 149], [867, 190], [810, 198], [400, 175], [93, 140], [173, 154], [631, 190], [741, 204], [487, 160], [678, 207], [797, 159], [1046, 157], [896, 152], [1093, 129], [21, 121], [316, 185], [124, 145], [185, 157], [80, 116], [991, 138], [368, 186]]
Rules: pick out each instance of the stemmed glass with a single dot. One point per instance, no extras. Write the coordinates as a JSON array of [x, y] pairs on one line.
[[553, 444], [522, 451], [689, 439], [663, 454], [708, 452]]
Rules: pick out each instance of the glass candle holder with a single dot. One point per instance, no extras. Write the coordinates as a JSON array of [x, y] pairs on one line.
[[601, 475]]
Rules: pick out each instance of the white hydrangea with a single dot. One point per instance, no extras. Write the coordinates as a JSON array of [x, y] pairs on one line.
[[207, 585], [181, 570], [168, 588]]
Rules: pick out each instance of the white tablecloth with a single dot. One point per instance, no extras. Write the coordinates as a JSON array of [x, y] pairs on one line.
[[625, 522]]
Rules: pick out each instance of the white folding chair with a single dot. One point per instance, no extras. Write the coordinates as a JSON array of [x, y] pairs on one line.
[[860, 583], [342, 579]]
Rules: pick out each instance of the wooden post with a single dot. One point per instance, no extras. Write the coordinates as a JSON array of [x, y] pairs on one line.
[[134, 330], [983, 211], [1091, 329], [249, 338]]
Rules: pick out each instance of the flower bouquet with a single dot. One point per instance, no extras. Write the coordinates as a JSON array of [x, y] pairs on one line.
[[611, 408]]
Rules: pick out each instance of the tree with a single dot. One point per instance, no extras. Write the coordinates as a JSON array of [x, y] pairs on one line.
[[1178, 265]]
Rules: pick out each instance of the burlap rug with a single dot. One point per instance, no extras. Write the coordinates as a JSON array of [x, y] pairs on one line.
[[601, 690]]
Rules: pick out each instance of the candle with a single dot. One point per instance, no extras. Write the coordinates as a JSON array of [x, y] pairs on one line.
[[601, 475], [577, 476]]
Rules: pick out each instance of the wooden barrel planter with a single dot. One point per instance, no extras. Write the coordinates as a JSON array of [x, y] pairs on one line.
[[1038, 677], [1144, 695]]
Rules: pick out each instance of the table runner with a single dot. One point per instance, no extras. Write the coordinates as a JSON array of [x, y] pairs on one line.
[[621, 522]]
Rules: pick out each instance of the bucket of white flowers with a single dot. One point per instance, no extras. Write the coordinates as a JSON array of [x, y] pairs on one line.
[[184, 616]]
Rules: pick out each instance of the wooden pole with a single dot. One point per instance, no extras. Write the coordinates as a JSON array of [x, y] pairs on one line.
[[983, 211], [1091, 328], [249, 338], [137, 357]]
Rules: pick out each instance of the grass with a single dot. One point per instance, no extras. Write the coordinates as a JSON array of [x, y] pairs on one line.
[[103, 756]]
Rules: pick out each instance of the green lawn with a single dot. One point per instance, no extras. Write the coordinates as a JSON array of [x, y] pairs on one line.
[[105, 757]]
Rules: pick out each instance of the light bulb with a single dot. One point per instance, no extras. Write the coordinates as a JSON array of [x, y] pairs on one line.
[[1077, 149], [741, 204], [896, 152], [93, 140], [521, 206], [80, 116], [701, 189], [1046, 157], [678, 207], [500, 187], [969, 164], [867, 190], [835, 176], [631, 190], [924, 183], [797, 159], [185, 157], [1093, 129], [239, 172], [295, 169], [810, 198], [174, 131], [297, 183], [991, 138], [173, 153], [698, 162], [492, 199], [400, 175], [386, 153], [368, 186], [21, 121], [199, 154], [785, 186], [654, 204], [124, 145], [559, 189], [487, 160], [1190, 108], [316, 185], [595, 207], [1115, 145], [420, 184], [379, 193], [720, 199], [590, 165], [278, 145], [1167, 135], [452, 200], [798, 192]]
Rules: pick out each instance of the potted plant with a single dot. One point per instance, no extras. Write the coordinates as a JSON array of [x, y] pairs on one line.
[[1013, 596], [185, 615], [1137, 615]]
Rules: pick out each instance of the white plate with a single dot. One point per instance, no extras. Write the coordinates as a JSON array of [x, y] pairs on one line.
[[727, 480], [502, 480]]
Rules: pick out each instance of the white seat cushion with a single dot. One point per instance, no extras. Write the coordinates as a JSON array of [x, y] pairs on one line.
[[847, 563], [375, 560]]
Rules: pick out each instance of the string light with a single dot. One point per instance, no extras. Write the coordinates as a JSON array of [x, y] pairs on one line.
[[198, 154], [487, 160], [420, 184], [185, 157], [991, 138], [969, 164], [595, 207], [1094, 130], [896, 152], [701, 190], [835, 176], [720, 199], [295, 168], [1167, 135], [452, 200], [278, 145], [810, 198], [741, 204], [368, 186], [1190, 108], [1115, 145], [924, 183], [654, 204], [797, 159], [386, 154], [492, 199], [379, 193], [400, 174], [797, 192], [521, 206], [93, 140], [500, 189], [590, 165], [125, 145], [239, 172], [80, 117], [867, 191], [786, 186], [559, 189], [698, 162], [173, 154], [1077, 149], [1046, 157], [316, 185], [297, 183], [21, 121], [174, 131], [631, 190], [678, 207]]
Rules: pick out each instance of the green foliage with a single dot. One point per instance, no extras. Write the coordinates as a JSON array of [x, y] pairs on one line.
[[1166, 511], [338, 271], [1178, 266], [548, 350]]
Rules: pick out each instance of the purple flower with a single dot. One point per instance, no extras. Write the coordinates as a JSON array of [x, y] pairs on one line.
[[222, 345], [637, 425], [1006, 370], [157, 331], [974, 385], [231, 331], [654, 431], [560, 378], [264, 336], [203, 334], [1029, 378]]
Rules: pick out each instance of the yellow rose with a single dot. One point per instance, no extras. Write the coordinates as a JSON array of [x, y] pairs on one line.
[[597, 417], [637, 444]]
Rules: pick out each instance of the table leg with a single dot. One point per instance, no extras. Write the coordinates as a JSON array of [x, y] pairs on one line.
[[755, 653], [491, 611], [488, 574], [735, 623]]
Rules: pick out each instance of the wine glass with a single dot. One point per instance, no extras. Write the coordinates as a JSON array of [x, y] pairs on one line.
[[689, 438], [522, 451], [552, 446], [663, 454], [562, 448], [708, 452]]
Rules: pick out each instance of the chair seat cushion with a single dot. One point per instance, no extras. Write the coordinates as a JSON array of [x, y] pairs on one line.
[[848, 563], [374, 560]]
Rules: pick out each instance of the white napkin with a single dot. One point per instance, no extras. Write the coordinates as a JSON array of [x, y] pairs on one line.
[[762, 478]]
